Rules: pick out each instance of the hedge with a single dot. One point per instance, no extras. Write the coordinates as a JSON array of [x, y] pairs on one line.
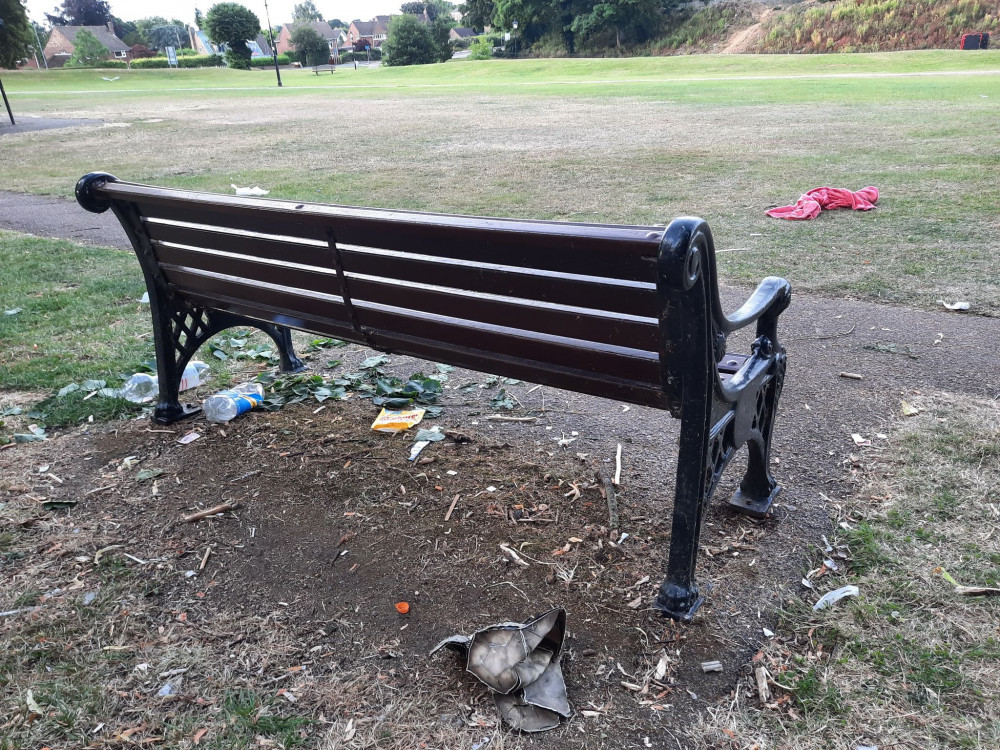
[[192, 61]]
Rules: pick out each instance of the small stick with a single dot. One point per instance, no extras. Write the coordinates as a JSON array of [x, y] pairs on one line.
[[609, 492], [99, 489], [230, 505], [618, 466], [451, 508], [502, 418], [204, 560], [711, 666], [852, 376], [763, 691]]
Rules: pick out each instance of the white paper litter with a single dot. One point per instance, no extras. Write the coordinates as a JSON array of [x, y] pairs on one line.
[[954, 306], [832, 597], [251, 191]]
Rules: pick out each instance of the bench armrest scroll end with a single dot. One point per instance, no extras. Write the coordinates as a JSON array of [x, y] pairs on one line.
[[770, 298], [87, 189]]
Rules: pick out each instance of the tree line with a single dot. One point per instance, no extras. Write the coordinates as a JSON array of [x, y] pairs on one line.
[[570, 26]]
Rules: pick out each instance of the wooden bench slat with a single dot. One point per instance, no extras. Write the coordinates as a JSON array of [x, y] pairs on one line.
[[243, 243], [627, 297], [631, 333], [622, 296], [637, 366], [309, 278], [259, 295], [597, 250], [545, 374]]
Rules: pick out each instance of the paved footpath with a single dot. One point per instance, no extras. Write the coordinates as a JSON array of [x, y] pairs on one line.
[[57, 217]]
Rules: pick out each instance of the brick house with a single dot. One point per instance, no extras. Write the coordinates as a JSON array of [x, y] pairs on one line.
[[62, 42], [335, 38], [372, 32]]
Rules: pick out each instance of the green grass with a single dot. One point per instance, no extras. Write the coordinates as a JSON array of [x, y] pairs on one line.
[[909, 661], [637, 140], [79, 313]]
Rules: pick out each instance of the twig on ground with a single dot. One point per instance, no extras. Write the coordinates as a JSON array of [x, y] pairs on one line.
[[451, 508], [609, 492], [502, 418], [229, 505]]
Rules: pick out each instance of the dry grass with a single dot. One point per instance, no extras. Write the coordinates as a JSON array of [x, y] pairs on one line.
[[723, 150], [910, 663], [107, 636]]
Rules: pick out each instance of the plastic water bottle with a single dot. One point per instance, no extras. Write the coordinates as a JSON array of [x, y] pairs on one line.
[[225, 405], [143, 387]]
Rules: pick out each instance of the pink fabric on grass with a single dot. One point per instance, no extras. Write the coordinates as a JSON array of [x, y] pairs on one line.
[[817, 199]]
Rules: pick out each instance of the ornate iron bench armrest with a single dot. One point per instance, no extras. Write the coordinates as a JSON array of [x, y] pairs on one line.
[[769, 299]]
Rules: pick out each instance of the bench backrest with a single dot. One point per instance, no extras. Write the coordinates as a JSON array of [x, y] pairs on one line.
[[563, 304]]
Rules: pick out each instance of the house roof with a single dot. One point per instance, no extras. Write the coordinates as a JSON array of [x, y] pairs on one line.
[[320, 27], [364, 28], [103, 34], [463, 33]]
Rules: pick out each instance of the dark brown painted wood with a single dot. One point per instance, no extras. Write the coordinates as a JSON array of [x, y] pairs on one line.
[[230, 241], [613, 252], [597, 293], [513, 367], [526, 316], [208, 286], [626, 364], [249, 269]]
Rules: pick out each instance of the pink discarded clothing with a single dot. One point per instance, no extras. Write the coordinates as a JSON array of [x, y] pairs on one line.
[[810, 204]]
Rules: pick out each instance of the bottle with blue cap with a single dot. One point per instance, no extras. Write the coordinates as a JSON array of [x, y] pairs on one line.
[[226, 405]]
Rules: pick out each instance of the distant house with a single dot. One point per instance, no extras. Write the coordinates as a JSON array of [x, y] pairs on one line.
[[335, 38], [201, 44], [371, 32], [62, 43], [460, 32]]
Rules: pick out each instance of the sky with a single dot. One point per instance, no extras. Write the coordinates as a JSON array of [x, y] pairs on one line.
[[183, 10]]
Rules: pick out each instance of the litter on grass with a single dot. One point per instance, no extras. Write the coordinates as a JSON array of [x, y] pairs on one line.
[[251, 191], [832, 597], [393, 421], [955, 306], [519, 662]]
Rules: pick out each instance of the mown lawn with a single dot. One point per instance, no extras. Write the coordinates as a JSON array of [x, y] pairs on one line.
[[634, 141]]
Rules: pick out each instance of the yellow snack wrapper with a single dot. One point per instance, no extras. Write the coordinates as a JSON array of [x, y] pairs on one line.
[[397, 421]]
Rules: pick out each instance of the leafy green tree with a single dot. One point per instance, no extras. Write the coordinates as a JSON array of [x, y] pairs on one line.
[[88, 52], [310, 46], [81, 13], [336, 23], [633, 20], [232, 24], [416, 8], [16, 36], [408, 42], [477, 14], [440, 29], [167, 35], [306, 11], [199, 18]]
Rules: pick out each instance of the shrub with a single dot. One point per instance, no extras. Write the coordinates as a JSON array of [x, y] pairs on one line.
[[266, 62], [409, 42], [481, 48]]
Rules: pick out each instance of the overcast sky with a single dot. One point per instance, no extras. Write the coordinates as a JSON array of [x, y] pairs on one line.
[[280, 10]]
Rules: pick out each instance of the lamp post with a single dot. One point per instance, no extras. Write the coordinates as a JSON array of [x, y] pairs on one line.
[[513, 25], [274, 50]]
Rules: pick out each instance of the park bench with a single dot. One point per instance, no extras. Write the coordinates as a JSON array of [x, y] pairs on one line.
[[318, 68], [624, 312]]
